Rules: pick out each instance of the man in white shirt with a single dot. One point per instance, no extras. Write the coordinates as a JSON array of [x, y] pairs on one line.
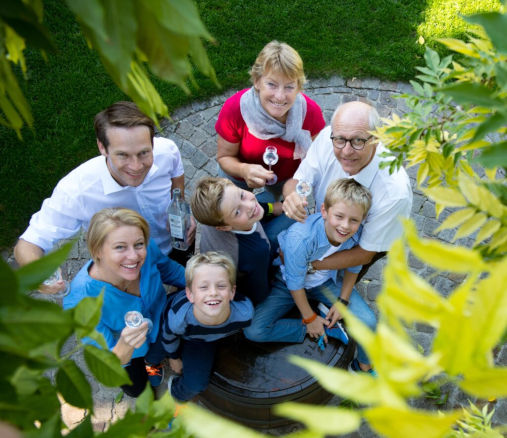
[[345, 149], [135, 170]]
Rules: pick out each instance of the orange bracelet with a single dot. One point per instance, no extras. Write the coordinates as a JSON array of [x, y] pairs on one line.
[[311, 319]]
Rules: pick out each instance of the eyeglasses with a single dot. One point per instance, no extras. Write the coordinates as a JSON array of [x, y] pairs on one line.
[[356, 143]]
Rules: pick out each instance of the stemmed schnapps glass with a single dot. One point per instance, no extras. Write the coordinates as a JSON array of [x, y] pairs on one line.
[[270, 157]]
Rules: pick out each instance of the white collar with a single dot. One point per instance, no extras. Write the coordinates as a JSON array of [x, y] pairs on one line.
[[254, 228]]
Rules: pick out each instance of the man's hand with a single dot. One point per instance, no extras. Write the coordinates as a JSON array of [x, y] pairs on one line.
[[255, 175], [315, 329], [54, 288], [294, 206], [176, 365], [191, 231]]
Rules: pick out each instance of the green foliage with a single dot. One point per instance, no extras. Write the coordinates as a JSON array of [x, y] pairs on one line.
[[458, 111], [32, 335], [127, 34], [458, 117]]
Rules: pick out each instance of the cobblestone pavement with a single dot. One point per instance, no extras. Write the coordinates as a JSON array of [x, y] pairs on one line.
[[192, 128]]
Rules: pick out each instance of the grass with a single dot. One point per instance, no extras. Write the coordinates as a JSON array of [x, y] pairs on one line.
[[351, 38]]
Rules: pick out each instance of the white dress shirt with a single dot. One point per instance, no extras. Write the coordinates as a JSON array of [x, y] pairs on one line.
[[391, 194], [90, 188]]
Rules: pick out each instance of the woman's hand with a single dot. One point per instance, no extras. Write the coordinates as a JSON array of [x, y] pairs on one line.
[[191, 231], [134, 337], [294, 207], [255, 175]]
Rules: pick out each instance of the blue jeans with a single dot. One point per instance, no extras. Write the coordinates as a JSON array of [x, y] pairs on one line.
[[269, 324], [198, 357]]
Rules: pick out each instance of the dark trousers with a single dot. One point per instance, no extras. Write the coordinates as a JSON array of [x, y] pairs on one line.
[[136, 369], [198, 358]]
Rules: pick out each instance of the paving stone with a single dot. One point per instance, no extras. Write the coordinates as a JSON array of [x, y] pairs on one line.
[[187, 149], [198, 137], [195, 119], [185, 129], [199, 159], [209, 148]]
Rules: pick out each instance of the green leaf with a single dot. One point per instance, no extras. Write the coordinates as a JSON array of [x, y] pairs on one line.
[[472, 94], [18, 15], [493, 156], [83, 430], [132, 425], [492, 124], [485, 383], [204, 424], [73, 386], [87, 314], [32, 275], [105, 366], [49, 429], [501, 75], [91, 15], [405, 422], [324, 419], [145, 400], [9, 283], [36, 323], [178, 16], [494, 24]]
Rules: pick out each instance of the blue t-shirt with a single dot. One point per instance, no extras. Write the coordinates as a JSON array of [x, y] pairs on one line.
[[156, 270]]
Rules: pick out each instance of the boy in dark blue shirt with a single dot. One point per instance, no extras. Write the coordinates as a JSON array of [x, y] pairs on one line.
[[196, 318]]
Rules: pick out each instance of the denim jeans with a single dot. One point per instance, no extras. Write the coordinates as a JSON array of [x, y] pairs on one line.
[[197, 357], [269, 324]]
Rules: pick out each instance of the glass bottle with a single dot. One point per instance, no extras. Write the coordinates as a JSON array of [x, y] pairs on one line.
[[178, 214]]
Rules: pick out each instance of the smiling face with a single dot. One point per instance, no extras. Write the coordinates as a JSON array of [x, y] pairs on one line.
[[351, 121], [240, 209], [341, 221], [211, 293], [122, 255], [277, 94], [129, 155]]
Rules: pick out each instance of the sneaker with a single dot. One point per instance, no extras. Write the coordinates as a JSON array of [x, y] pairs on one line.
[[337, 331], [355, 368], [170, 384], [155, 374]]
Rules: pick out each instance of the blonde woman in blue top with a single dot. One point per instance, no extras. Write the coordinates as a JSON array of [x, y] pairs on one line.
[[131, 270]]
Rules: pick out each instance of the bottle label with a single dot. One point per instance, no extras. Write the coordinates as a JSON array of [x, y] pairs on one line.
[[176, 225]]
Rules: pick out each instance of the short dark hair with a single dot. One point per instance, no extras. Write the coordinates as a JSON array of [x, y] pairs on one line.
[[121, 114]]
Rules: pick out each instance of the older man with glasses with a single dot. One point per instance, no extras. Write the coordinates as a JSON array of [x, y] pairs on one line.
[[346, 149]]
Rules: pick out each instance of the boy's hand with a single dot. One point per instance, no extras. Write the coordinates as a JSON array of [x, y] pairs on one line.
[[176, 365], [294, 207], [333, 316], [315, 329]]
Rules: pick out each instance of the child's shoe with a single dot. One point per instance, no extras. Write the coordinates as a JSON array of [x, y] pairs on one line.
[[337, 331], [155, 374], [355, 368]]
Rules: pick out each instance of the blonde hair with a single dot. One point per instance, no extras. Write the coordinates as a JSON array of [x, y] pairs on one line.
[[279, 58], [107, 220], [210, 258], [207, 199], [348, 190]]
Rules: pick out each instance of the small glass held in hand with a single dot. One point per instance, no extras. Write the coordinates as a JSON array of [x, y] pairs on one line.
[[53, 279], [133, 318], [304, 189], [270, 157]]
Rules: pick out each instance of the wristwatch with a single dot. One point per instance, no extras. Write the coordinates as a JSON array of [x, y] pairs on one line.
[[310, 269]]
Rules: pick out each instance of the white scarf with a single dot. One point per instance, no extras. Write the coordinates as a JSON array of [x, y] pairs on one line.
[[265, 127]]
